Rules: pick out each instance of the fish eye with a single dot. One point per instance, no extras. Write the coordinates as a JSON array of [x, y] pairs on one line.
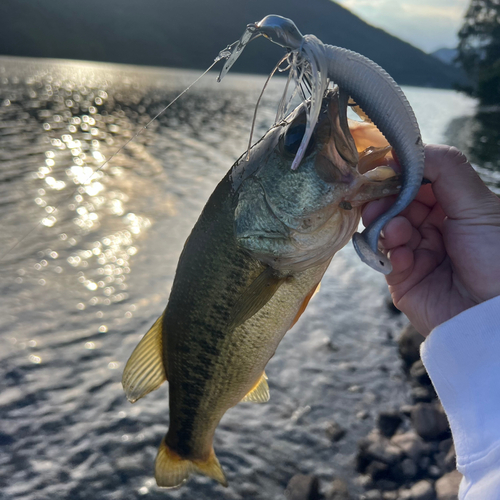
[[291, 140]]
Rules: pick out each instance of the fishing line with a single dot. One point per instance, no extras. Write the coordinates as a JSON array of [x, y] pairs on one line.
[[258, 102], [222, 55]]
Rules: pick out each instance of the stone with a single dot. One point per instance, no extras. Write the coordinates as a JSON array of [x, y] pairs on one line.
[[409, 345], [405, 494], [446, 457], [423, 490], [391, 307], [445, 445], [408, 468], [365, 481], [361, 462], [388, 422], [386, 485], [423, 394], [303, 487], [419, 374], [406, 410], [411, 444], [372, 495], [378, 470], [447, 486], [434, 471], [376, 448], [429, 420], [450, 460], [390, 495], [424, 463], [384, 452], [334, 431], [338, 491], [373, 437]]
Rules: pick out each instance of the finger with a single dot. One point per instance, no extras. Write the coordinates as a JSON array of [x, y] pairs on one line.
[[402, 260], [416, 212], [424, 262], [426, 196], [375, 208], [456, 184], [396, 232], [434, 219], [415, 240]]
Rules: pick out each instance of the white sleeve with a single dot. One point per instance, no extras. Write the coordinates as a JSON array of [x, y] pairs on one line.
[[462, 357]]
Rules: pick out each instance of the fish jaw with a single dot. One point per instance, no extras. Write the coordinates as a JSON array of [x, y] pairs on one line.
[[293, 219]]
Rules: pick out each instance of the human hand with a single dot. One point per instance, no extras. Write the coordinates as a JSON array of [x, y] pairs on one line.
[[445, 246]]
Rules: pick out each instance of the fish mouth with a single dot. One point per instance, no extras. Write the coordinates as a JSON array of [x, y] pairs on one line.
[[332, 125], [337, 158]]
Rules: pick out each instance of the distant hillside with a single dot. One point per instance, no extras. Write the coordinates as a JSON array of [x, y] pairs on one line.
[[446, 55], [190, 33]]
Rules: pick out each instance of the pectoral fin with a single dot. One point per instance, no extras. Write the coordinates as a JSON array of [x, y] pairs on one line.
[[145, 371], [255, 297], [259, 392]]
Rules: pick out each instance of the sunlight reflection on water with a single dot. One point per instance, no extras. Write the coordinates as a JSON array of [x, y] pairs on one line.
[[80, 290]]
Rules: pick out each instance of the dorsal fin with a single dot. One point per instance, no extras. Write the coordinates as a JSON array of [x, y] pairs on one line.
[[145, 371], [259, 392]]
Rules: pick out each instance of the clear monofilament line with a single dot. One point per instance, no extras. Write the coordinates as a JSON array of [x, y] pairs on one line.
[[222, 55], [283, 105], [258, 102]]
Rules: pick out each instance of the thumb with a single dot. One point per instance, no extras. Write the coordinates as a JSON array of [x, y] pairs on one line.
[[457, 186]]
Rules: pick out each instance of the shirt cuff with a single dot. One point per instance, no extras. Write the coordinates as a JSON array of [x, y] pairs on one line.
[[462, 357]]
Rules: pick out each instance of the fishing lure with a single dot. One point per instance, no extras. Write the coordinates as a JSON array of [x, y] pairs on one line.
[[313, 65]]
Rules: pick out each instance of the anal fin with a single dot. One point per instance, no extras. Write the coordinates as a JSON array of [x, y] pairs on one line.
[[145, 371], [259, 392]]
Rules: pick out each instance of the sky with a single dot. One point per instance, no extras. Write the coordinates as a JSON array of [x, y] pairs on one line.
[[427, 24]]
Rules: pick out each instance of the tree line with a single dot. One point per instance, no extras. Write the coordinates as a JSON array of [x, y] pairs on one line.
[[479, 50]]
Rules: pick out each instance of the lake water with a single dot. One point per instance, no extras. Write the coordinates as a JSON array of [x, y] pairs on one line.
[[85, 283]]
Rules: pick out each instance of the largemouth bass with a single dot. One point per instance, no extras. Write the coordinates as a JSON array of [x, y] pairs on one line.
[[247, 272]]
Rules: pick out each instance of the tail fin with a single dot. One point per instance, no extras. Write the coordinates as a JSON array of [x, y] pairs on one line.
[[171, 470]]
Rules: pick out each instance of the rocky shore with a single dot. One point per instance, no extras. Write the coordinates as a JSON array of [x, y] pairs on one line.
[[409, 455]]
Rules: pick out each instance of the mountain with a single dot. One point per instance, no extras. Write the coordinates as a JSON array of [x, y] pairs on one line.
[[446, 55], [190, 33]]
